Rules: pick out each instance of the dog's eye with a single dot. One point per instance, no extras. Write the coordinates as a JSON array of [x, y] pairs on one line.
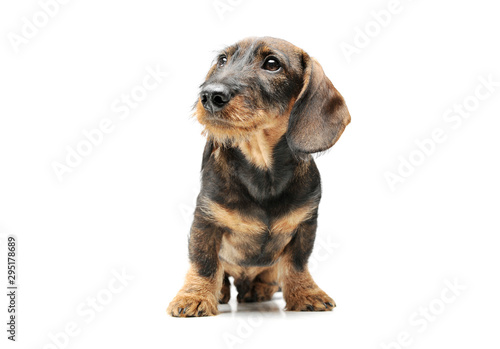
[[272, 64], [222, 61]]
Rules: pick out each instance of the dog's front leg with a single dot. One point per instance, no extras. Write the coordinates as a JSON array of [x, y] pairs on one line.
[[299, 289], [200, 293]]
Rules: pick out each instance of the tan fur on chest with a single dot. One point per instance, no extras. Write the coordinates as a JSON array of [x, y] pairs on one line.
[[248, 236], [258, 147]]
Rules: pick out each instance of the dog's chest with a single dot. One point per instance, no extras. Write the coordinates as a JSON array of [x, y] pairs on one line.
[[258, 245], [248, 240]]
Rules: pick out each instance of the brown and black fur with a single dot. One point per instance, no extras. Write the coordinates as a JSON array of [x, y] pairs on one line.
[[256, 214]]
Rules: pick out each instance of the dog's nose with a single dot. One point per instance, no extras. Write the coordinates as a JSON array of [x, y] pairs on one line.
[[214, 97]]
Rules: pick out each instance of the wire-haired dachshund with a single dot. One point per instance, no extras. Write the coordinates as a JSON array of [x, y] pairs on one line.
[[266, 106]]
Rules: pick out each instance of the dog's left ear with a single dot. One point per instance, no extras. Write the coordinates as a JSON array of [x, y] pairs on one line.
[[319, 115]]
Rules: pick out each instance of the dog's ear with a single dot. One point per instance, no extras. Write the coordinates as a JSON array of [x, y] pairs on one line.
[[319, 115]]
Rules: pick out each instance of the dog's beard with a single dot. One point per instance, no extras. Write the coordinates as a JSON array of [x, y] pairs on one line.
[[227, 136], [232, 125]]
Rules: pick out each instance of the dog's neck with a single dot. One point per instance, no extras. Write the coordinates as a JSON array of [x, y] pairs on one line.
[[264, 164], [258, 148]]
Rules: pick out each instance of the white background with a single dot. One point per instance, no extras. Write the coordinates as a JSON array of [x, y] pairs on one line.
[[381, 254]]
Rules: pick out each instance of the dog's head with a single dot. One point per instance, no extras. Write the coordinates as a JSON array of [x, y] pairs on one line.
[[260, 83]]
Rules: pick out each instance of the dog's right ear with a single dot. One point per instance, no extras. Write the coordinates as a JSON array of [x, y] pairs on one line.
[[319, 115]]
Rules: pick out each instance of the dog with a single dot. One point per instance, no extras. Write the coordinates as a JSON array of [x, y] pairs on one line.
[[265, 106]]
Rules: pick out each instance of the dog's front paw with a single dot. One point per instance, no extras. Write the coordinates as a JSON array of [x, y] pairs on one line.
[[309, 299], [187, 304]]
